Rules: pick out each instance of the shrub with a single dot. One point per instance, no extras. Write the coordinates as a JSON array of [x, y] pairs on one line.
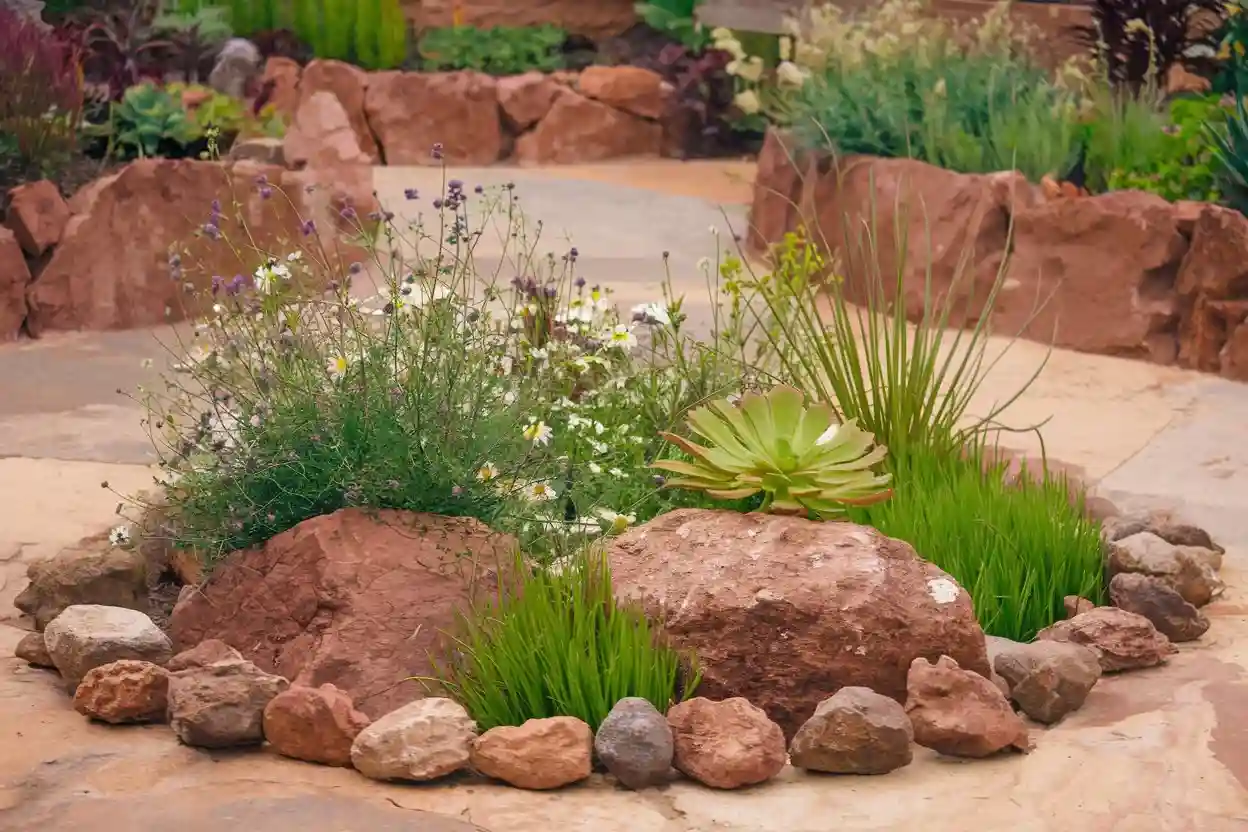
[[1232, 38], [1177, 161], [556, 643], [371, 33], [148, 121], [677, 19], [452, 390], [41, 99], [1017, 547], [1138, 41], [498, 50], [899, 82], [1230, 156]]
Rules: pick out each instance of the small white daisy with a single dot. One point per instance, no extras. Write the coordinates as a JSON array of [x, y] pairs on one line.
[[539, 433], [487, 472], [119, 536], [540, 492]]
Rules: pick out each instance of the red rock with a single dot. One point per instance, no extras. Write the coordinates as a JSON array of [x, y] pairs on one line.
[[1180, 80], [37, 216], [854, 731], [1160, 603], [33, 650], [1123, 640], [354, 598], [830, 600], [284, 75], [599, 19], [111, 269], [629, 88], [206, 653], [321, 135], [777, 190], [91, 571], [1048, 679], [580, 130], [540, 754], [349, 84], [313, 724], [412, 111], [726, 745], [1214, 267], [960, 713], [526, 99], [1235, 353], [14, 280], [1075, 605], [124, 691], [221, 705]]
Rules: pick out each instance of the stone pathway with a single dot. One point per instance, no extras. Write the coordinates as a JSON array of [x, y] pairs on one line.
[[1164, 750]]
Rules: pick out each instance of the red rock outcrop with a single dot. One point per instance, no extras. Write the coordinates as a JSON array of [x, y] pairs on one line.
[[349, 84], [413, 111], [355, 599], [1123, 273]]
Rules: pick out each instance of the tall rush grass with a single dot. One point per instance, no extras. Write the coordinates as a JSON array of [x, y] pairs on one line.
[[555, 642]]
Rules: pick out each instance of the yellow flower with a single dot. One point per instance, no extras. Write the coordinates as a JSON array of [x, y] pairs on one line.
[[786, 48], [747, 102], [337, 367]]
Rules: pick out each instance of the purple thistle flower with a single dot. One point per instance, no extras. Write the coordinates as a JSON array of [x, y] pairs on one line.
[[348, 213], [580, 283], [265, 192], [574, 253], [212, 231], [479, 189], [411, 193], [437, 203], [216, 206], [455, 185], [235, 285], [308, 227]]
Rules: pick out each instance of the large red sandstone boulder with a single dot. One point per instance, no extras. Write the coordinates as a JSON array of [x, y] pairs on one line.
[[283, 76], [321, 135], [785, 612], [597, 19], [630, 88], [112, 268], [1212, 286], [37, 215], [526, 99], [355, 599], [14, 278], [777, 190], [349, 84], [412, 111], [578, 129], [1109, 263]]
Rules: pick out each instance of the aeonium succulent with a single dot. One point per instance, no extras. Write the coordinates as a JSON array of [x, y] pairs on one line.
[[799, 456]]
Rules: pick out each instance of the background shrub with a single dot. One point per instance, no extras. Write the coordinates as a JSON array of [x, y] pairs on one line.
[[498, 50]]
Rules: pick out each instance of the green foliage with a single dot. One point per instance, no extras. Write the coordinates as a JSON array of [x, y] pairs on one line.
[[556, 643], [1230, 155], [370, 33], [230, 116], [1017, 547], [148, 121], [1180, 162], [498, 50], [969, 113], [677, 19], [1233, 51], [798, 456]]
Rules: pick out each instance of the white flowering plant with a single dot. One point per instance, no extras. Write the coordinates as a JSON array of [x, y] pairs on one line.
[[417, 378]]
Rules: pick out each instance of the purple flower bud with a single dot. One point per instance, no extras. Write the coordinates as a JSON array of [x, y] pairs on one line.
[[348, 213], [455, 185], [479, 189], [217, 283], [262, 179], [437, 203], [659, 480], [235, 285], [355, 268], [211, 231], [266, 192], [308, 228], [517, 282], [437, 150], [216, 206], [574, 253], [387, 216], [374, 216], [411, 193], [580, 283], [175, 260], [549, 291]]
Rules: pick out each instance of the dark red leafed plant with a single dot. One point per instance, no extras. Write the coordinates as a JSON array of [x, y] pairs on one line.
[[702, 101], [40, 94], [1140, 40], [120, 48]]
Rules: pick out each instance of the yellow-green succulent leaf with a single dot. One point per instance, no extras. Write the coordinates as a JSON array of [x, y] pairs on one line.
[[715, 429], [733, 493], [786, 412]]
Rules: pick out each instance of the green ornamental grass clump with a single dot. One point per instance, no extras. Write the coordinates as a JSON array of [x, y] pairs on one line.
[[556, 643]]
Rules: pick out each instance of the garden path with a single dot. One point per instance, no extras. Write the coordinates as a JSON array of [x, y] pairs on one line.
[[1157, 751]]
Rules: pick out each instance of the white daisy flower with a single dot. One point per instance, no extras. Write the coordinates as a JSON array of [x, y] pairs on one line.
[[540, 492], [487, 472], [622, 337], [539, 433], [336, 367], [119, 536]]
